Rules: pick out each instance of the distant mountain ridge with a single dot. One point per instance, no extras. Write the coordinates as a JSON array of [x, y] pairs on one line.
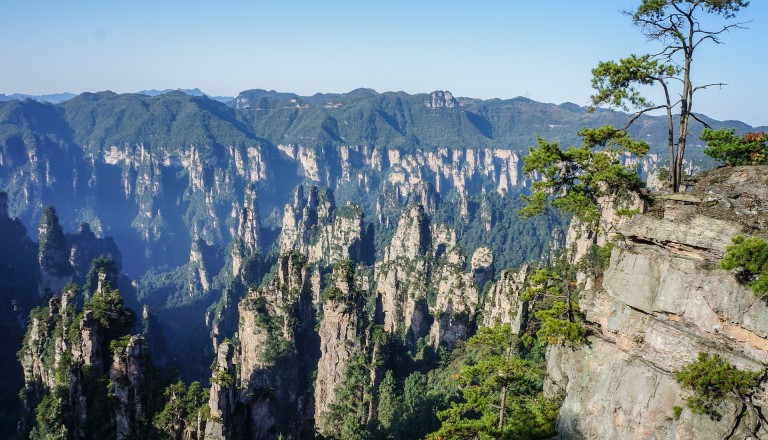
[[399, 119], [190, 92], [166, 153], [53, 98], [57, 98]]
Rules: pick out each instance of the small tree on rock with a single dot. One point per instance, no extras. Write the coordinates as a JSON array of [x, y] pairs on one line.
[[680, 28], [575, 180], [713, 381]]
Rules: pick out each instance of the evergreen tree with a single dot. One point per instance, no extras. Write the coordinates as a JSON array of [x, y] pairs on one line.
[[680, 27], [575, 180], [390, 405], [501, 394]]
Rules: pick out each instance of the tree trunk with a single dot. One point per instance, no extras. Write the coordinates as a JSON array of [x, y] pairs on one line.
[[670, 138], [686, 98], [501, 408]]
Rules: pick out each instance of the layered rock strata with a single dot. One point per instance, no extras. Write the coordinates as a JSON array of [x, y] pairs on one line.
[[662, 301]]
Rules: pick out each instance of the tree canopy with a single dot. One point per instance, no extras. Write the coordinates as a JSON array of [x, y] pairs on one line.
[[679, 27], [501, 394], [712, 381], [751, 255], [576, 179]]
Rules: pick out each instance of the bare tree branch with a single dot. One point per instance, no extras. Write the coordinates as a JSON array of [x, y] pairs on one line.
[[706, 86], [640, 113], [693, 115]]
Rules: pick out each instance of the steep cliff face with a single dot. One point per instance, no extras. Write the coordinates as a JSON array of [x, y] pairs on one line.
[[130, 378], [422, 285], [502, 302], [267, 369], [222, 399], [401, 279], [71, 357], [314, 226], [247, 243], [615, 211], [663, 300], [55, 270], [342, 336], [482, 266]]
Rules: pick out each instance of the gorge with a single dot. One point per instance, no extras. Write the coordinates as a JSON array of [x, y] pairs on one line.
[[295, 257]]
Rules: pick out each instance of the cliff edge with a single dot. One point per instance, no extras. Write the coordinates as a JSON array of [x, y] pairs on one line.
[[662, 301]]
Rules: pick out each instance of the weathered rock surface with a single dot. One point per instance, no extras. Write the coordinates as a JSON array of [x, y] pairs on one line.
[[130, 379], [482, 266], [502, 302], [663, 300], [55, 270], [580, 237], [313, 226], [222, 395], [421, 283], [75, 356], [263, 376], [342, 336], [247, 243]]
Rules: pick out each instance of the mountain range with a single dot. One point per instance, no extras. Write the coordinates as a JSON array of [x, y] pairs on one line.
[[311, 257]]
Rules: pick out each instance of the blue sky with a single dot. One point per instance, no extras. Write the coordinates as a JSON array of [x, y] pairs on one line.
[[485, 49]]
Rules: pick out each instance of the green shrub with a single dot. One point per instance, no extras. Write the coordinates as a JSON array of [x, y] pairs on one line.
[[712, 380], [751, 254], [727, 147]]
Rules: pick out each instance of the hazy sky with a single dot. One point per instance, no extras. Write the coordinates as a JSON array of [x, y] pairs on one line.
[[485, 49]]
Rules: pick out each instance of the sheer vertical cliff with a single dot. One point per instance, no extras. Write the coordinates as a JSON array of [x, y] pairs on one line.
[[422, 285], [314, 226], [342, 336], [247, 243], [72, 356], [267, 369]]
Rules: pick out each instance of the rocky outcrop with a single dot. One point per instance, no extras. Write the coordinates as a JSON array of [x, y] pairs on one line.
[[314, 226], [203, 266], [455, 305], [615, 211], [440, 99], [269, 377], [663, 300], [130, 379], [222, 394], [342, 336], [401, 279], [502, 302], [55, 270], [482, 266], [421, 283], [42, 350], [247, 243], [76, 356], [199, 271]]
